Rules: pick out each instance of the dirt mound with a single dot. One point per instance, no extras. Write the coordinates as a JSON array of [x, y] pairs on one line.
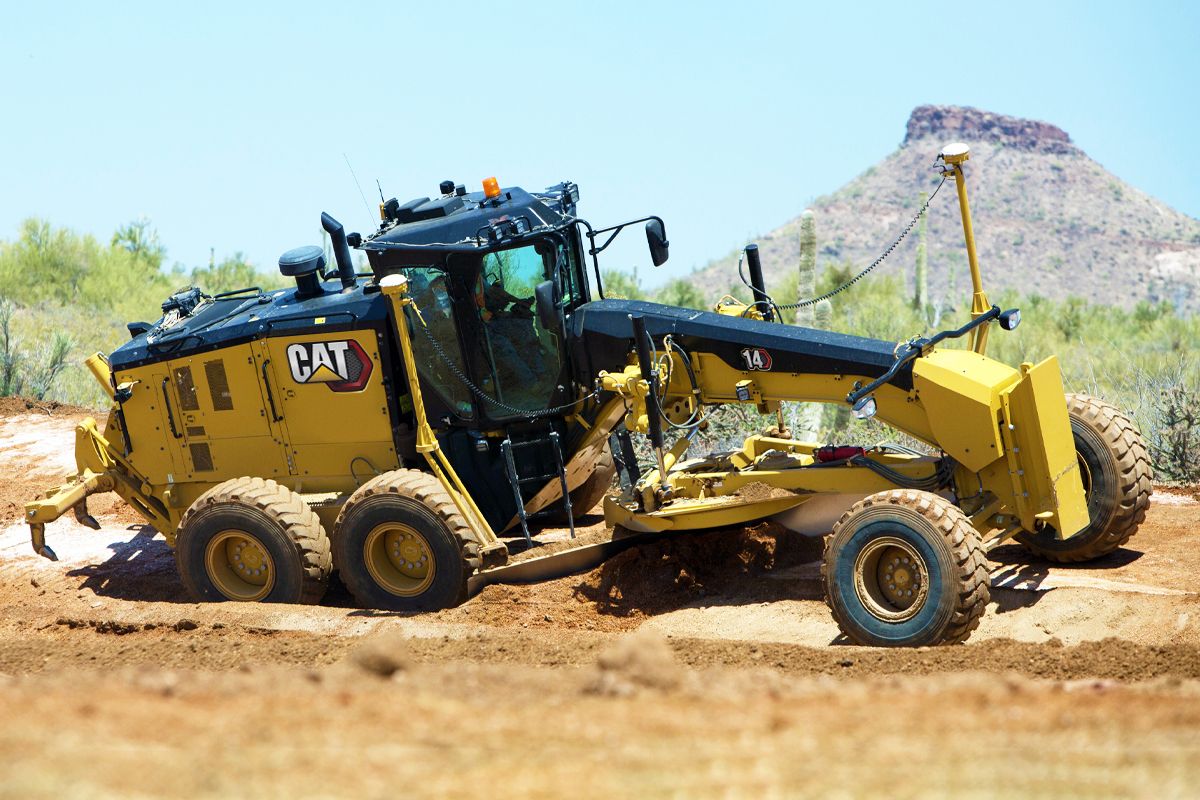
[[675, 571], [15, 406], [649, 579], [642, 660], [382, 655], [736, 663]]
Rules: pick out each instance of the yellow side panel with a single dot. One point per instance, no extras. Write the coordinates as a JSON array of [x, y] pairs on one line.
[[225, 426], [329, 391], [156, 454], [1048, 466], [960, 391]]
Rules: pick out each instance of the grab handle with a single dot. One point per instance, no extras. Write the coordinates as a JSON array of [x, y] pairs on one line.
[[170, 414], [275, 415]]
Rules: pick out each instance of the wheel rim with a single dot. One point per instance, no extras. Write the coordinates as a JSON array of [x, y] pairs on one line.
[[399, 559], [1085, 474], [891, 579], [239, 566]]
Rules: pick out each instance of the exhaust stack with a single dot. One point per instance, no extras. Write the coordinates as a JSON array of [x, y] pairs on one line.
[[761, 298], [341, 250]]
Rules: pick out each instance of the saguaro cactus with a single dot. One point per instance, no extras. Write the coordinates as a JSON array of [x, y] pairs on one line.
[[823, 315], [921, 295], [808, 416], [807, 284]]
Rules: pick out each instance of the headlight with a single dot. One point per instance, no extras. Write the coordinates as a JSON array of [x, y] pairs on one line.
[[864, 408], [1010, 319]]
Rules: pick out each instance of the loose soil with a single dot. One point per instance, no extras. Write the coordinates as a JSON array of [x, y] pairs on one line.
[[703, 665]]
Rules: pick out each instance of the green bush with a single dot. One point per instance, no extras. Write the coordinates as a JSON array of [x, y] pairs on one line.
[[65, 295], [622, 285], [62, 291], [29, 372]]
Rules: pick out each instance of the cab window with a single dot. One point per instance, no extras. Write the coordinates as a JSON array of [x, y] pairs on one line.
[[524, 358], [428, 290]]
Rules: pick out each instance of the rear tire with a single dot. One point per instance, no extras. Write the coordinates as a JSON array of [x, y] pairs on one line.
[[400, 544], [905, 568], [1116, 478], [253, 540]]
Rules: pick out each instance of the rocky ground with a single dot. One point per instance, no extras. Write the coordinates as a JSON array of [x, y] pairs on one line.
[[703, 666]]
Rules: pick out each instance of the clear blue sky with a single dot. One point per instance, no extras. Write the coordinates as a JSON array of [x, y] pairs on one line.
[[226, 124]]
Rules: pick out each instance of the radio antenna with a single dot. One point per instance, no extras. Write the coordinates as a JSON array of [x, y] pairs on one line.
[[379, 186], [361, 194]]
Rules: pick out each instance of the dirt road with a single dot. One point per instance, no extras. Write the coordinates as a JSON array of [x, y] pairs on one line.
[[706, 666]]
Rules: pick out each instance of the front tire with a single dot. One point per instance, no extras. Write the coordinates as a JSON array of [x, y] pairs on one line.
[[253, 540], [400, 544], [1115, 468], [905, 568]]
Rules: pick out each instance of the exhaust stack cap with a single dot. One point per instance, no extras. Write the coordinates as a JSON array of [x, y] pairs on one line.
[[304, 264]]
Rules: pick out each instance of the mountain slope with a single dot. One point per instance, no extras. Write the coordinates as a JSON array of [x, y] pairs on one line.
[[1047, 218]]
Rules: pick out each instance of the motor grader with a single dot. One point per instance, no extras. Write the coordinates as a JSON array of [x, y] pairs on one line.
[[406, 426]]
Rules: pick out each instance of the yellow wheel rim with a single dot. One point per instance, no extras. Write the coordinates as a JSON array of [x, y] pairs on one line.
[[1085, 475], [399, 559], [891, 579], [239, 566]]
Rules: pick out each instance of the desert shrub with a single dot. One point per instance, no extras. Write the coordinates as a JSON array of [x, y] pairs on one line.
[[64, 291], [66, 294], [29, 372], [623, 285]]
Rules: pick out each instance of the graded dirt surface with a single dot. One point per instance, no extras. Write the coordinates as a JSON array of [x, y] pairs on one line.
[[698, 666]]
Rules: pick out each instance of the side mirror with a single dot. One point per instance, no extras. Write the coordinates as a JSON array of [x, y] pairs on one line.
[[547, 306], [656, 237]]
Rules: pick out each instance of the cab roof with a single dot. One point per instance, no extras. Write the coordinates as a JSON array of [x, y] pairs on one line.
[[466, 222]]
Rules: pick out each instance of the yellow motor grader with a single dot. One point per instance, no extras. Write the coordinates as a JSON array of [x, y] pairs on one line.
[[405, 427]]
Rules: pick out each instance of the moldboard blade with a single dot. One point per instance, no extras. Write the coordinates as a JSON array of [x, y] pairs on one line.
[[557, 565]]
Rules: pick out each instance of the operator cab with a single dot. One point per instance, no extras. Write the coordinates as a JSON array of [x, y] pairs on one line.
[[496, 280], [495, 276]]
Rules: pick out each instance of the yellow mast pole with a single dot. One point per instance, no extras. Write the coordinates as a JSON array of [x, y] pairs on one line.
[[954, 155]]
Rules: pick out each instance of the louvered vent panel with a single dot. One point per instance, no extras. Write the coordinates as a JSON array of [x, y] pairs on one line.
[[195, 431], [201, 457], [218, 385], [187, 389]]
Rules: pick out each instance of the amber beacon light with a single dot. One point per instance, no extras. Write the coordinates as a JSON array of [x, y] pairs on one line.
[[491, 188]]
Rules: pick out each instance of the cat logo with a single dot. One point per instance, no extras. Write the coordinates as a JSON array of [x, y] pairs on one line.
[[340, 365], [756, 358]]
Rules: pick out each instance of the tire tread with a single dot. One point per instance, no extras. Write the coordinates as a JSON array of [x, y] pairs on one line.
[[298, 520], [970, 562], [425, 489], [1134, 476]]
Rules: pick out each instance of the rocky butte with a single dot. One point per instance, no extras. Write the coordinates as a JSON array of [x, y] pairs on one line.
[[1048, 219]]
